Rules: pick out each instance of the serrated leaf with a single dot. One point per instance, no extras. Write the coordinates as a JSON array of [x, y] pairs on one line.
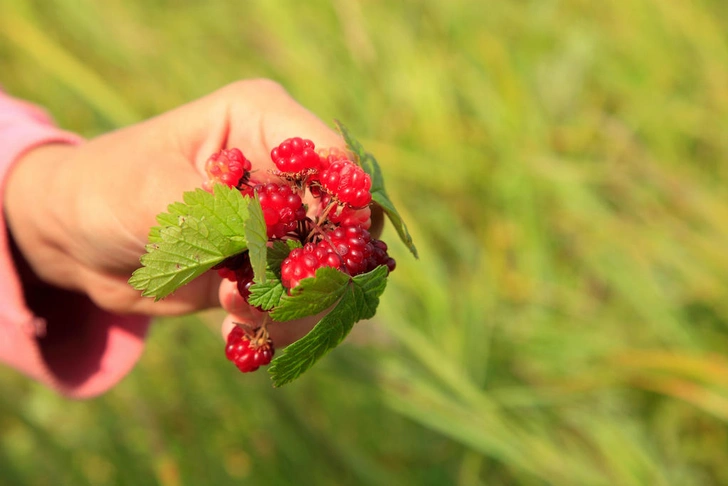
[[359, 301], [379, 194], [225, 210], [192, 237], [312, 295], [183, 254], [165, 220], [154, 236], [267, 295], [257, 236], [396, 219], [277, 253], [371, 285]]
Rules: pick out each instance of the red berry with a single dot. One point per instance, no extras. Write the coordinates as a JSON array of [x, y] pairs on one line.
[[295, 155], [227, 273], [234, 267], [348, 183], [303, 262], [248, 355], [282, 208], [238, 269], [348, 216], [331, 155], [327, 157], [352, 243], [229, 167], [379, 256]]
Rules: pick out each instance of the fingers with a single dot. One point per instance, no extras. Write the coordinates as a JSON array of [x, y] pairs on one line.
[[114, 294], [252, 115], [233, 303], [282, 333]]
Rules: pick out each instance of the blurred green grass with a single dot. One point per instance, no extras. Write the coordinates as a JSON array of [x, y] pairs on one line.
[[562, 165]]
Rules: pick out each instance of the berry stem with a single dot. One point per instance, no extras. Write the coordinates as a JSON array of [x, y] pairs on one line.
[[327, 210]]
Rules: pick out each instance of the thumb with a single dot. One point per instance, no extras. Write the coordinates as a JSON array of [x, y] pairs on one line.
[[281, 333]]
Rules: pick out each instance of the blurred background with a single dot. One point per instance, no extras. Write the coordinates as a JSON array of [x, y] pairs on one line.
[[562, 166]]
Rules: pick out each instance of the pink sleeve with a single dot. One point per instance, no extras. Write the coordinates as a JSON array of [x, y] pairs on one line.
[[56, 337]]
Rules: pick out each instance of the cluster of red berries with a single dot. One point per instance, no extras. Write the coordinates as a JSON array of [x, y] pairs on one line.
[[332, 234]]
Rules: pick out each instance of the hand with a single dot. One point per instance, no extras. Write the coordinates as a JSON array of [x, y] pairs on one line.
[[80, 215]]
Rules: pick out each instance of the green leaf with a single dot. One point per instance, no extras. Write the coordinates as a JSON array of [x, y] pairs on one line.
[[257, 235], [154, 236], [312, 295], [371, 285], [183, 254], [379, 194], [278, 252], [268, 294], [359, 301], [192, 237], [225, 210], [164, 220]]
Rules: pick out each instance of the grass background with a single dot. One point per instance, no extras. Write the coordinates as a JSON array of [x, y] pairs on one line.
[[562, 167]]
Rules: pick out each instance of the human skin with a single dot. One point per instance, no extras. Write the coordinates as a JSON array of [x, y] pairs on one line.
[[80, 214]]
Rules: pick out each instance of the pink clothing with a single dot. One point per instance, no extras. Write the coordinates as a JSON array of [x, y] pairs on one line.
[[54, 336]]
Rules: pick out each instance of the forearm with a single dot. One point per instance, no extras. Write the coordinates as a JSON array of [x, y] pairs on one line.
[[33, 201], [54, 336]]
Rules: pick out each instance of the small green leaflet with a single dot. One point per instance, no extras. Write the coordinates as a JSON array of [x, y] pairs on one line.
[[224, 211], [193, 237], [268, 294], [257, 236], [359, 301], [312, 295], [379, 194]]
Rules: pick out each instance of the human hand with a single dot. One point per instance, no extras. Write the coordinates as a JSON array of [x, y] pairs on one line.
[[80, 215]]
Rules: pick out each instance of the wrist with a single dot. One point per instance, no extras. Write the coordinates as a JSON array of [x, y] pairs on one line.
[[35, 201]]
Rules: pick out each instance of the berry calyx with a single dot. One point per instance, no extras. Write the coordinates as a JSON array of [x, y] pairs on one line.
[[303, 262], [282, 208], [295, 156], [347, 183], [249, 351], [229, 167]]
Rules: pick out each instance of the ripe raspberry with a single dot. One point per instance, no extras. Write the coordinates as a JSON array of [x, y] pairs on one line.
[[303, 262], [229, 167], [327, 157], [352, 245], [248, 355], [295, 156], [348, 183], [238, 269], [379, 256], [331, 155], [282, 208], [234, 267], [348, 216]]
